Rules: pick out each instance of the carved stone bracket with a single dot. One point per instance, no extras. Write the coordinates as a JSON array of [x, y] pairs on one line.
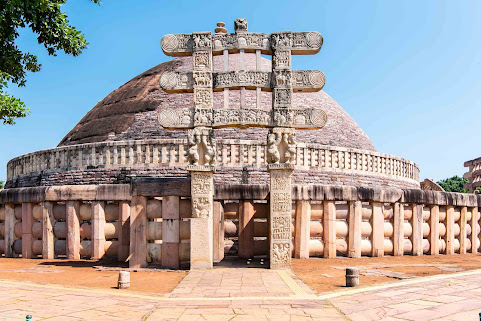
[[202, 147], [281, 148]]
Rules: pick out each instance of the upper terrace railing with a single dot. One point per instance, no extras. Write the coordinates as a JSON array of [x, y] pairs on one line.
[[230, 153]]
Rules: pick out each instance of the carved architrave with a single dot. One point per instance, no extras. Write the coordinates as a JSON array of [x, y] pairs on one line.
[[299, 80], [218, 118], [299, 118], [235, 79], [301, 43]]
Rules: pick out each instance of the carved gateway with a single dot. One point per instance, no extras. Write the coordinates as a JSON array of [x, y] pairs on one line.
[[202, 118]]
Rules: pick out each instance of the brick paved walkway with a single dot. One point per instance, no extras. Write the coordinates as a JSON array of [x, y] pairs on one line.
[[248, 297]]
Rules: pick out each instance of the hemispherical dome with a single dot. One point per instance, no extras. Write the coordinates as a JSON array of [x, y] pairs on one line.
[[130, 112]]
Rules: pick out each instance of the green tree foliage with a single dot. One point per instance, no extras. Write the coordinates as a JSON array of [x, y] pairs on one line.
[[45, 18], [454, 184], [1, 185]]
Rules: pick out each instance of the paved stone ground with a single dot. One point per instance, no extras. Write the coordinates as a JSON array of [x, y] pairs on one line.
[[250, 294]]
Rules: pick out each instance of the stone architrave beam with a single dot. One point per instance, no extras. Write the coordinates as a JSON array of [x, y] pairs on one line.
[[302, 118], [301, 80], [302, 43]]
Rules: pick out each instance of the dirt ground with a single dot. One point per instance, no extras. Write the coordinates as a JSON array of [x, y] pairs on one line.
[[83, 273], [329, 274]]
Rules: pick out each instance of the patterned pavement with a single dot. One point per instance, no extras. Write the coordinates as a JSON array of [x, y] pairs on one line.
[[250, 294]]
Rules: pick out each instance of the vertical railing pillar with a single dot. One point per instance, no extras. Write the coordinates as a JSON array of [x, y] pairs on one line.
[[474, 230], [417, 224], [10, 221], [449, 229], [124, 231], [218, 231], [170, 231], [303, 229], [462, 232], [27, 237], [98, 230], [73, 230], [434, 230], [138, 232], [377, 224], [354, 234], [48, 237], [398, 226], [329, 222], [246, 229]]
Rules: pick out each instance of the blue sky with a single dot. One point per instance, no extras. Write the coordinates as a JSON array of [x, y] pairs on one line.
[[408, 72]]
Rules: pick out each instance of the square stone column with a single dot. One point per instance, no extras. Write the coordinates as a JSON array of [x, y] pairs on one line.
[[280, 215], [202, 221]]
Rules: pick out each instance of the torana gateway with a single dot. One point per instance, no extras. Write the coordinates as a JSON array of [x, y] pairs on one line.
[[224, 152]]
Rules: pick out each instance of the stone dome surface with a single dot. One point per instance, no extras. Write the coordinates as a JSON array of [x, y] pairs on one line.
[[130, 112]]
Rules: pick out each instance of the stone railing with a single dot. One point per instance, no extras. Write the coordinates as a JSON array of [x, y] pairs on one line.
[[473, 174], [127, 221], [230, 153]]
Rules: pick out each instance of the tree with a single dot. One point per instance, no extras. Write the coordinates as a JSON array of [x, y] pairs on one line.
[[1, 185], [45, 18], [454, 184]]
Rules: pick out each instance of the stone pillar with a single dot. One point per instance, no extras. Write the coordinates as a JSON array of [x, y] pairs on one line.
[[218, 231], [377, 223], [48, 237], [27, 237], [462, 233], [73, 230], [10, 221], [398, 226], [170, 231], [246, 229], [124, 231], [434, 234], [329, 222], [201, 224], [449, 229], [354, 236], [303, 229], [474, 230], [138, 232], [98, 230], [280, 215], [417, 224]]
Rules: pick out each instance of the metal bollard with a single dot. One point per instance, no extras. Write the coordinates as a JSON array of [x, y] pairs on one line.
[[28, 318], [124, 280], [352, 276]]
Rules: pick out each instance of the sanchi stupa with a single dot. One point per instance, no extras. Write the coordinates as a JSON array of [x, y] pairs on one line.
[[222, 152]]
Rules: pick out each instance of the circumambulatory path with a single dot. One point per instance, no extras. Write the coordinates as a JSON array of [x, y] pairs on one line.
[[250, 294]]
